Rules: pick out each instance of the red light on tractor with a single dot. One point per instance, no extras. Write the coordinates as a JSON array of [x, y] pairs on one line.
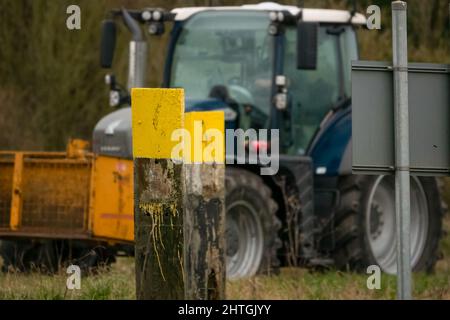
[[257, 145]]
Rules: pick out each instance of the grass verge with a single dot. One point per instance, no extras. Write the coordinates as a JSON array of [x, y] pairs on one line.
[[291, 283]]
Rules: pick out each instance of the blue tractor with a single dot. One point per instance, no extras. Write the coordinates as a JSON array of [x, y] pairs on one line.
[[269, 66]]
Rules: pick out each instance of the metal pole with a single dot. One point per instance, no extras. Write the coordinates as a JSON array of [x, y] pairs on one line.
[[401, 121]]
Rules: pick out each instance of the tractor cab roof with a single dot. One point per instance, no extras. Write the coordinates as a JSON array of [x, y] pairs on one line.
[[311, 15]]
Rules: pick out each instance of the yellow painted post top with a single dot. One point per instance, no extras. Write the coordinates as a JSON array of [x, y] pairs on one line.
[[207, 137], [161, 129], [156, 113]]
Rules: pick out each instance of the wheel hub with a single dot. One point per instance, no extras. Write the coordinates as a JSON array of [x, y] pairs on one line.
[[376, 220], [381, 224], [245, 240]]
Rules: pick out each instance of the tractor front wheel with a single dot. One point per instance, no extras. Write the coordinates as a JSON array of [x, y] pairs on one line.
[[251, 225]]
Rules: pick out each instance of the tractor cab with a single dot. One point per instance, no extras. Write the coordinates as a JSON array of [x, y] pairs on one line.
[[268, 66]]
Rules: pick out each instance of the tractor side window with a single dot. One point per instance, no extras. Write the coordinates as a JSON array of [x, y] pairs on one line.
[[312, 92]]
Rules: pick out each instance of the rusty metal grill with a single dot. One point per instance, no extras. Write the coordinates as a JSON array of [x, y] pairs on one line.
[[55, 195], [6, 180]]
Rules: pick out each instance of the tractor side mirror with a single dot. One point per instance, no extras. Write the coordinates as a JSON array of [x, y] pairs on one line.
[[307, 45], [108, 43]]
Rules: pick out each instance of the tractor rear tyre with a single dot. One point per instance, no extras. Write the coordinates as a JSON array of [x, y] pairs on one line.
[[251, 226], [365, 223]]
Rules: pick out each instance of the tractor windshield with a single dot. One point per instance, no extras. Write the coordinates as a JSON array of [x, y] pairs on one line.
[[225, 55]]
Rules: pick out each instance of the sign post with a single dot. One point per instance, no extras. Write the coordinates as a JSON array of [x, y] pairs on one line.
[[394, 105], [401, 125]]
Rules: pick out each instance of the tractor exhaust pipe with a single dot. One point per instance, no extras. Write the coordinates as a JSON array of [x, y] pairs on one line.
[[137, 65]]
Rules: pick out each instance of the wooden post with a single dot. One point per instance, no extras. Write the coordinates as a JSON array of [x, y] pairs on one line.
[[204, 208], [179, 205], [158, 211]]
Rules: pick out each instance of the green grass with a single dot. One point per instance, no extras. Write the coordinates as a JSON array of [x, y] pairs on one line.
[[298, 283], [291, 283], [117, 283], [303, 284]]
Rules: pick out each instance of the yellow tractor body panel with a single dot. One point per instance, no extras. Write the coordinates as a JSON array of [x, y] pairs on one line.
[[112, 212]]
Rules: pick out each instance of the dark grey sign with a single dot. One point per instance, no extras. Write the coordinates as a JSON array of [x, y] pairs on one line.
[[373, 118]]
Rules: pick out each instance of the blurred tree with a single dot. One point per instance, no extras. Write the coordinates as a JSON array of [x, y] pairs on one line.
[[51, 85]]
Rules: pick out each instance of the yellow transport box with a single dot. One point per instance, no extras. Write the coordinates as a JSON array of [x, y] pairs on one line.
[[66, 195]]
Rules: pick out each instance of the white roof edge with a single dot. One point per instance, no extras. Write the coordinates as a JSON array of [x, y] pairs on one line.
[[311, 15]]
